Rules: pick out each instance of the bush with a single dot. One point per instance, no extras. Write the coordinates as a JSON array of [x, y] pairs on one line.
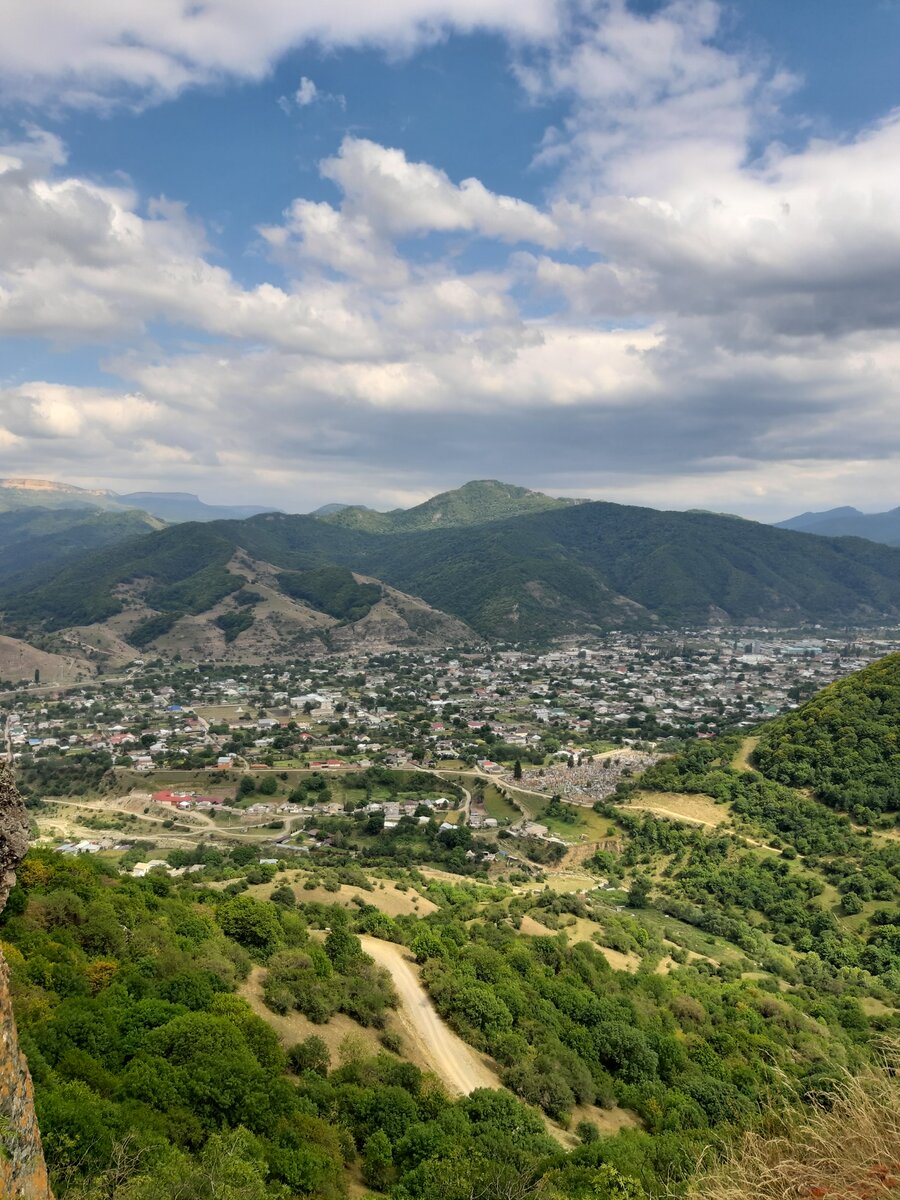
[[309, 1055]]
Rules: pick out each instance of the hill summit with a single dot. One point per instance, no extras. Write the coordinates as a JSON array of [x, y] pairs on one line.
[[475, 503], [849, 522]]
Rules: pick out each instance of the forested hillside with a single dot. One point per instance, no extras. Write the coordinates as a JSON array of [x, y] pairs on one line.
[[152, 1075], [33, 538], [844, 744], [578, 568]]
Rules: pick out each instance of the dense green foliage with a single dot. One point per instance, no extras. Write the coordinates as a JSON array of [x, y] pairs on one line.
[[690, 1053], [234, 623], [714, 881], [334, 977], [56, 773], [331, 590], [844, 743], [151, 628], [152, 1077], [150, 1071]]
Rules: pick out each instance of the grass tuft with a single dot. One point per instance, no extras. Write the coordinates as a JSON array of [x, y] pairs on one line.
[[846, 1148]]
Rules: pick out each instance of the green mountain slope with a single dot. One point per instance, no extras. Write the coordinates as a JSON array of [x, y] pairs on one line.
[[474, 503], [610, 565], [31, 539], [572, 569], [844, 743], [184, 573]]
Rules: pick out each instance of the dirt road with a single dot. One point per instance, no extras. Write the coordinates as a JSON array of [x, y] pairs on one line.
[[456, 1064]]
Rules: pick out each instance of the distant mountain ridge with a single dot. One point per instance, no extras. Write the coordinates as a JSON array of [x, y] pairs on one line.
[[328, 510], [46, 493], [474, 503], [185, 506], [570, 569], [18, 493], [881, 527]]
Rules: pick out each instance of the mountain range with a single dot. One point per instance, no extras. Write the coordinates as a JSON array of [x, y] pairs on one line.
[[849, 522], [448, 571], [18, 494]]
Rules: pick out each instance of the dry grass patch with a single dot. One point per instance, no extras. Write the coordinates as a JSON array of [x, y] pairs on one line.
[[532, 928], [696, 809], [741, 761], [846, 1148], [294, 1027], [388, 899], [607, 1120]]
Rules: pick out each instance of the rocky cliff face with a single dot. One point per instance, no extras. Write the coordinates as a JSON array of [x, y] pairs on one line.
[[23, 1174]]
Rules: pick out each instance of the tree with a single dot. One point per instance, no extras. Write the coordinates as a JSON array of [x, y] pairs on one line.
[[639, 892], [284, 895], [267, 786], [378, 1161], [250, 923], [310, 1055], [343, 947], [375, 822], [247, 786], [851, 904], [517, 769]]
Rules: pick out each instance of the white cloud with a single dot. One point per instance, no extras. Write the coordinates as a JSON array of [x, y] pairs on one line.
[[306, 93], [400, 198], [696, 314], [385, 198], [93, 51]]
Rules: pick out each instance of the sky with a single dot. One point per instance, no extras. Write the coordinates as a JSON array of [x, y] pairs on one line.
[[293, 253]]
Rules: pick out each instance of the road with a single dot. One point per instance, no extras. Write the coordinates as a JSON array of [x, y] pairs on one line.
[[455, 1063]]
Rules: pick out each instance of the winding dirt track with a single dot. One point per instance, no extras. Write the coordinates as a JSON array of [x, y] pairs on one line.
[[455, 1063]]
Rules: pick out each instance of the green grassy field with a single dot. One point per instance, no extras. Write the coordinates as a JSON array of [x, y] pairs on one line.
[[497, 806]]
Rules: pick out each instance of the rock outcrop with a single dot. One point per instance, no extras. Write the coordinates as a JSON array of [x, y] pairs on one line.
[[23, 1173]]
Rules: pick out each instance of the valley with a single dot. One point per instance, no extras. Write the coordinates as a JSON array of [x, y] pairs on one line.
[[449, 600], [329, 882]]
